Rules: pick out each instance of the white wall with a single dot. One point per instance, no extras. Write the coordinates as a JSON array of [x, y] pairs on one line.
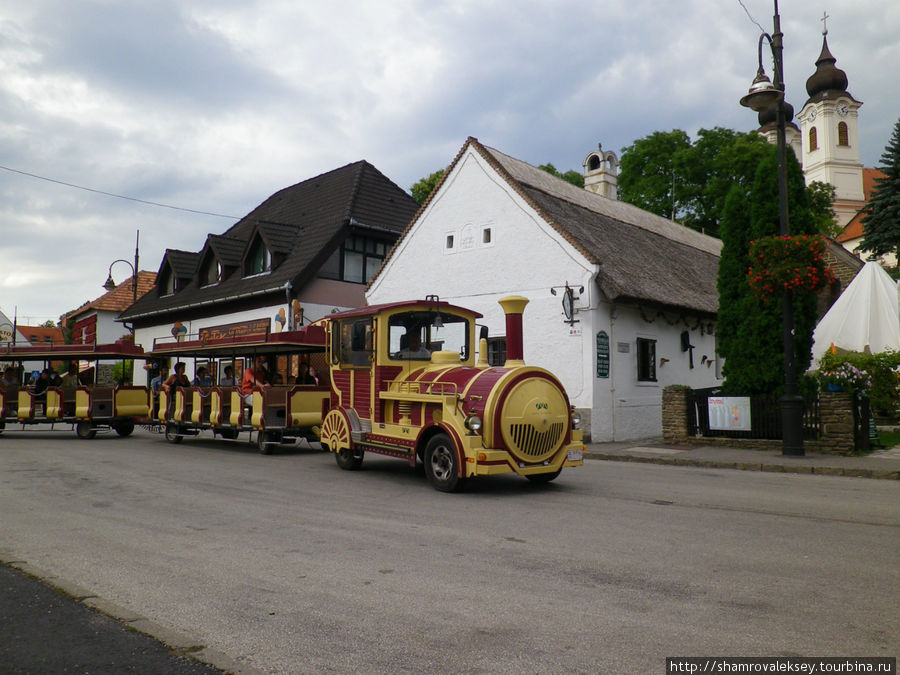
[[527, 257]]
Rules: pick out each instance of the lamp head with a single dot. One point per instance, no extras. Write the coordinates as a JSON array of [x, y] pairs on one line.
[[763, 95], [110, 285]]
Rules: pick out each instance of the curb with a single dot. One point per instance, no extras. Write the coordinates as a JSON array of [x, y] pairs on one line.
[[749, 466], [180, 643]]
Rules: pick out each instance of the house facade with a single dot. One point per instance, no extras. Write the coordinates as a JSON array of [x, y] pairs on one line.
[[622, 302], [96, 322], [306, 251]]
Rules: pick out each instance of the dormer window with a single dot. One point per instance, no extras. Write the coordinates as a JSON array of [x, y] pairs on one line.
[[259, 259], [210, 271], [166, 282]]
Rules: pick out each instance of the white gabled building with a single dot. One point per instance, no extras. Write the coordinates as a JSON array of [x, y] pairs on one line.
[[642, 288]]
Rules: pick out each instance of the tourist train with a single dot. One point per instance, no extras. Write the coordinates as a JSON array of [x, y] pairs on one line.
[[399, 379]]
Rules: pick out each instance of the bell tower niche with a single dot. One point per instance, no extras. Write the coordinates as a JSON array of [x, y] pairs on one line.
[[601, 170]]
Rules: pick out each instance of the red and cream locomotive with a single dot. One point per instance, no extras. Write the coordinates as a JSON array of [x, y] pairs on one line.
[[405, 383]]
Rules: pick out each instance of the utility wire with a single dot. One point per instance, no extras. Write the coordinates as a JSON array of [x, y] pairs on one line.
[[112, 194], [749, 16]]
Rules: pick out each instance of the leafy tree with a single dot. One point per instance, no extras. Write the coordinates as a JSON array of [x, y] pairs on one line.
[[48, 324], [570, 176], [821, 199], [881, 225], [423, 187], [649, 169], [668, 174], [750, 329]]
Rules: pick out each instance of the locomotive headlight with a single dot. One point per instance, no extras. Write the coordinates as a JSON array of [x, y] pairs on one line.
[[576, 420], [473, 423]]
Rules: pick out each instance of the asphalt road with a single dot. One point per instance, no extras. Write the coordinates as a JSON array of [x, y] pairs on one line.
[[288, 564]]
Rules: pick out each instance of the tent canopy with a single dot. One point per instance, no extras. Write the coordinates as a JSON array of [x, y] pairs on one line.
[[865, 318]]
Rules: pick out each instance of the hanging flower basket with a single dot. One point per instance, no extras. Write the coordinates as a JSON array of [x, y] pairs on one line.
[[788, 263]]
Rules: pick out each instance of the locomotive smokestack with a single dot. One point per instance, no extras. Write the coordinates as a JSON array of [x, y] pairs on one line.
[[513, 306]]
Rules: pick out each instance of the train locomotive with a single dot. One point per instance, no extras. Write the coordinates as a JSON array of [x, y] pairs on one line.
[[405, 383]]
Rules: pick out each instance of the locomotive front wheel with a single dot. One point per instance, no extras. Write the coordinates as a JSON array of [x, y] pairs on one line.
[[172, 434], [85, 430], [542, 477], [349, 459], [442, 464]]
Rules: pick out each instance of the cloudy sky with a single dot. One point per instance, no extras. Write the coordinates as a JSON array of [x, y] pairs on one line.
[[213, 105]]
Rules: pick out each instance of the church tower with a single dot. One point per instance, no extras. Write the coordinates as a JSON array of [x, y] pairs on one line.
[[829, 134]]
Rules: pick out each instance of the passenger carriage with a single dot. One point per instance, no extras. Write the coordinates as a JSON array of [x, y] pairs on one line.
[[87, 407], [274, 414], [405, 383]]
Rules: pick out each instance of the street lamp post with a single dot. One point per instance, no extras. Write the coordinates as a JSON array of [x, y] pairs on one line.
[[110, 285], [763, 95]]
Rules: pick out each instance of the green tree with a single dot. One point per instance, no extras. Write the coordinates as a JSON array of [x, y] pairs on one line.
[[821, 201], [570, 176], [648, 171], [423, 187], [881, 224], [48, 324], [668, 174], [750, 329]]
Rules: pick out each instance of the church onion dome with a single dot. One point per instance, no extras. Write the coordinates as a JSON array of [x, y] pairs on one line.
[[767, 117], [828, 81]]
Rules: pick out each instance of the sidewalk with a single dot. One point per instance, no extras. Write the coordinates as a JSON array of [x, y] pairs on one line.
[[879, 464]]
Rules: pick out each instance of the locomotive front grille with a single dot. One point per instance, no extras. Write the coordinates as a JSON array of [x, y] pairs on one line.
[[529, 442]]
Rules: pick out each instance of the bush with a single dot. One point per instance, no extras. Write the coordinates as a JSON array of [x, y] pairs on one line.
[[881, 369]]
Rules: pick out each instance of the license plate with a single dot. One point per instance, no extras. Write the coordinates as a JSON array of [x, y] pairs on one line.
[[575, 455]]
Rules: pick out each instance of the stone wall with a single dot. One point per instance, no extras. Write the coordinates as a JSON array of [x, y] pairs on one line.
[[835, 414]]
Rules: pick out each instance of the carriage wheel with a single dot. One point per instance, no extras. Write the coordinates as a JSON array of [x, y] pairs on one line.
[[85, 430]]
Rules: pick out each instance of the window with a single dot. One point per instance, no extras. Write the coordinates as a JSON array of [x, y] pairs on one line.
[[166, 282], [211, 271], [415, 335], [813, 140], [357, 260], [352, 342], [496, 351], [843, 136], [259, 259], [486, 235], [646, 357]]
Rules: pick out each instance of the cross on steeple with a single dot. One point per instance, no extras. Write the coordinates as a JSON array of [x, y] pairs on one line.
[[824, 18]]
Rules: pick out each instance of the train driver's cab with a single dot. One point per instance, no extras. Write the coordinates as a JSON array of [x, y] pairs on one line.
[[416, 335]]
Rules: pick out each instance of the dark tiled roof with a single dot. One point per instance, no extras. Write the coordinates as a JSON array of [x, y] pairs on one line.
[[227, 249], [303, 223], [184, 263]]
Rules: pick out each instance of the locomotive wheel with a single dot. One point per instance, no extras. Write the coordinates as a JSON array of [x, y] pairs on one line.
[[542, 477], [349, 459], [229, 434], [442, 464], [336, 432], [172, 434], [125, 428], [85, 430]]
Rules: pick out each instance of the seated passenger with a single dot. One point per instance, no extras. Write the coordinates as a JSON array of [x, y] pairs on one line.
[[203, 378], [40, 387], [70, 379], [10, 378], [253, 377], [305, 377], [176, 379], [413, 348], [228, 380]]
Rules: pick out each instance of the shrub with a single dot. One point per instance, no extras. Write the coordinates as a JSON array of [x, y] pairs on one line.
[[881, 372]]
